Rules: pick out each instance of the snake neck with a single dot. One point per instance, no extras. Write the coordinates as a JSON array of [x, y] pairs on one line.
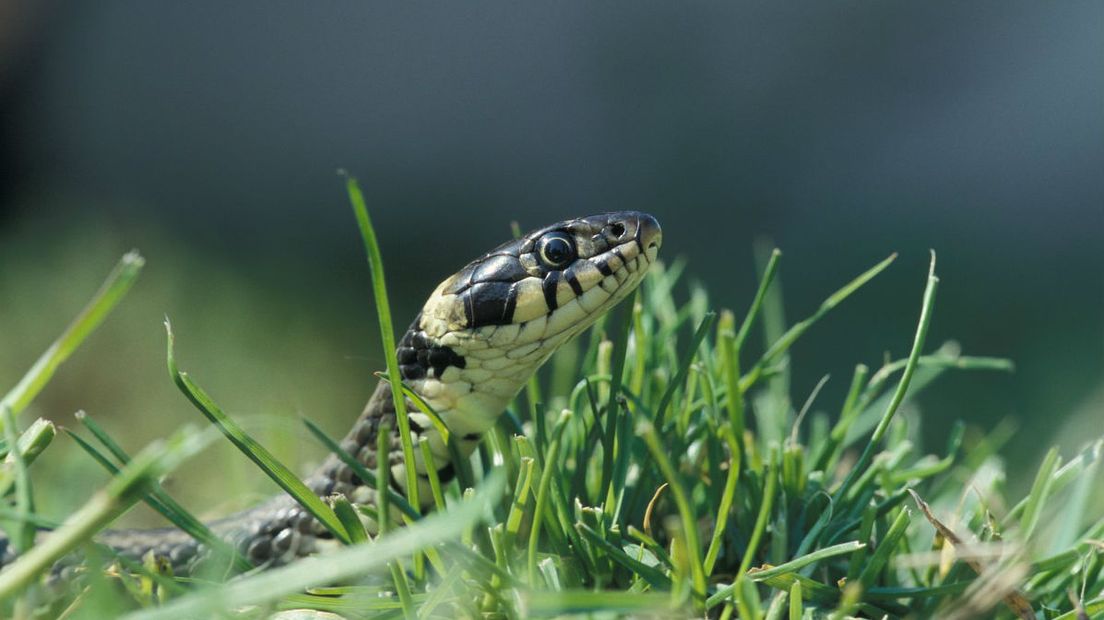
[[465, 396], [335, 476]]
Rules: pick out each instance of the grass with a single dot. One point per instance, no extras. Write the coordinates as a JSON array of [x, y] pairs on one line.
[[659, 468]]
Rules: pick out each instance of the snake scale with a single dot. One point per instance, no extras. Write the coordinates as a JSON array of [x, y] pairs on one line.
[[478, 339]]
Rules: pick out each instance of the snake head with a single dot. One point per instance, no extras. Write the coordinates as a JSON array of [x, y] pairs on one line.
[[569, 273]]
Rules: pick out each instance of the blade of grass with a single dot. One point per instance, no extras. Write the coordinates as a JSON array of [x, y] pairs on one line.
[[350, 519], [727, 497], [1075, 511], [764, 512], [22, 533], [777, 606], [30, 444], [387, 333], [398, 577], [118, 282], [682, 502], [830, 451], [683, 368], [543, 491], [32, 441], [617, 372], [730, 364], [926, 309], [757, 302], [521, 498], [269, 464], [793, 566], [886, 548], [797, 607], [1040, 490], [431, 473]]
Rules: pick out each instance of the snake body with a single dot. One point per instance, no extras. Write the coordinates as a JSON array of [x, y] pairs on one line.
[[478, 339]]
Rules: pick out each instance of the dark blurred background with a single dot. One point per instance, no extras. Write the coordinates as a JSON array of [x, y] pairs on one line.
[[208, 134]]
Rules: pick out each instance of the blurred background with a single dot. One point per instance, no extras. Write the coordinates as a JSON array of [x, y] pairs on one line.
[[207, 135]]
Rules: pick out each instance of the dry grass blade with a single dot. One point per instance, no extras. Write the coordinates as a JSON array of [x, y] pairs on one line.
[[1015, 601]]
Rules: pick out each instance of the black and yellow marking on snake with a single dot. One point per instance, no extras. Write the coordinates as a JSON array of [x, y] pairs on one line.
[[477, 340], [418, 356]]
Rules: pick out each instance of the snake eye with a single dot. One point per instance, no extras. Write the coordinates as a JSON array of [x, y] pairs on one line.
[[555, 249]]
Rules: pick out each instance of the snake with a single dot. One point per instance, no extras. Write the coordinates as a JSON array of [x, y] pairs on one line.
[[478, 339]]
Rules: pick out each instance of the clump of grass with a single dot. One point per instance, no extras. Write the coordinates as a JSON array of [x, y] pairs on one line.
[[663, 471]]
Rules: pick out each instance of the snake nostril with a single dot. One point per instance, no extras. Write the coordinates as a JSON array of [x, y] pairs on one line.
[[618, 229]]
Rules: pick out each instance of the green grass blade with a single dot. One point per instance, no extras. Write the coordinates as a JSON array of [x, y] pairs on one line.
[[269, 464], [924, 322], [728, 496], [617, 372], [764, 512], [431, 473], [549, 466], [29, 446], [797, 607], [387, 333], [118, 282], [806, 560], [1076, 508], [683, 369], [22, 533], [887, 547], [521, 498], [1040, 490], [350, 519], [682, 501], [792, 566], [757, 302]]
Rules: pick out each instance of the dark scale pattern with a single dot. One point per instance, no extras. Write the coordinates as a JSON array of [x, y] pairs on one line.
[[488, 287], [573, 280], [489, 303], [551, 282], [500, 268], [417, 356]]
